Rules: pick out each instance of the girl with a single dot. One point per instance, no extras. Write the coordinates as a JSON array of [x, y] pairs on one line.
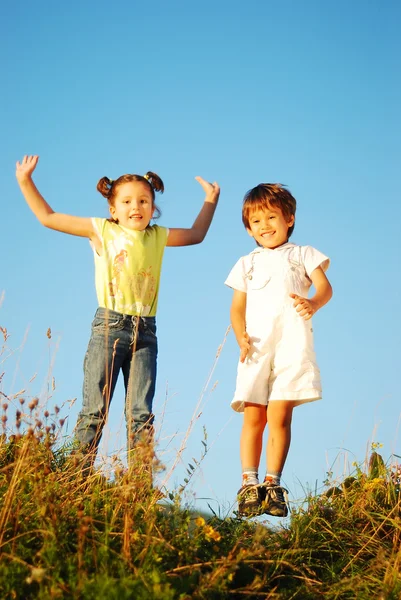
[[270, 316], [128, 253]]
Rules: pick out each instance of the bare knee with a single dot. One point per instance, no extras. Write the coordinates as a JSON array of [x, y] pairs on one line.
[[279, 414], [255, 418]]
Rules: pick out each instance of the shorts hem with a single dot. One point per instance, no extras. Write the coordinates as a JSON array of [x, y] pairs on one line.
[[304, 396], [298, 397]]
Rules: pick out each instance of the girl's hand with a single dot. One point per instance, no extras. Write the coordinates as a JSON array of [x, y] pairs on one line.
[[80, 226], [196, 234], [212, 190], [26, 167], [304, 306], [244, 345]]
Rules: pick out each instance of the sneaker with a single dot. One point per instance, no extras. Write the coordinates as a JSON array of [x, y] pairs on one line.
[[273, 499], [249, 500]]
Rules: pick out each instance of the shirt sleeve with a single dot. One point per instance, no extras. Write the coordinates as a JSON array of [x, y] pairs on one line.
[[313, 259], [236, 278], [161, 235], [98, 225]]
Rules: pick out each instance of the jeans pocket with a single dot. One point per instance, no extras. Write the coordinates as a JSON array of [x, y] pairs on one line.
[[112, 323], [149, 329]]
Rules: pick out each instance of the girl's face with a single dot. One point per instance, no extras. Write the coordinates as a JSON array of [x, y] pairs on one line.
[[269, 227], [133, 205]]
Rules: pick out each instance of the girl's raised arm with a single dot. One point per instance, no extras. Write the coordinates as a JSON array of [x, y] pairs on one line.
[[196, 234], [44, 213]]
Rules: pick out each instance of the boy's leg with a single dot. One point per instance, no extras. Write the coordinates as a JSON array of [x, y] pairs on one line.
[[140, 381], [252, 434], [103, 360], [279, 415], [249, 500]]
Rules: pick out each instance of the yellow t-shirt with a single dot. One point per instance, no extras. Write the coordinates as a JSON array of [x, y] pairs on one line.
[[127, 272]]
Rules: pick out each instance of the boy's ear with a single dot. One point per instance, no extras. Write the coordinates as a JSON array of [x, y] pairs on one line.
[[291, 221], [250, 232]]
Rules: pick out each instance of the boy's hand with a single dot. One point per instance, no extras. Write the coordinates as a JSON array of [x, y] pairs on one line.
[[212, 190], [244, 346], [26, 167], [304, 306]]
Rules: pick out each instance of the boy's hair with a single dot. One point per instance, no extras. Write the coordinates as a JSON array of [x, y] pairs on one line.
[[265, 195], [108, 187]]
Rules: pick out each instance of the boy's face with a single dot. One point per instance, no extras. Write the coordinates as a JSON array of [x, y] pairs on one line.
[[269, 227]]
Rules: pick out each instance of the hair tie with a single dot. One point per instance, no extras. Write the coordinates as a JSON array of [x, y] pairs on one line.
[[146, 177], [111, 181]]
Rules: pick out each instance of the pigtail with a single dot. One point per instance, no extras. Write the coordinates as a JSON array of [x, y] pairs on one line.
[[104, 186], [155, 181]]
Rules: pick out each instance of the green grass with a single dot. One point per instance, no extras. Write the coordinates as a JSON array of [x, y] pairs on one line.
[[66, 536]]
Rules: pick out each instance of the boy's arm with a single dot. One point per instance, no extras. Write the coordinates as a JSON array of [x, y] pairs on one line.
[[42, 210], [196, 234], [237, 315], [323, 288], [306, 307]]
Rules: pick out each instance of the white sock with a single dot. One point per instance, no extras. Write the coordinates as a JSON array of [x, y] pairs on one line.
[[250, 476], [273, 477]]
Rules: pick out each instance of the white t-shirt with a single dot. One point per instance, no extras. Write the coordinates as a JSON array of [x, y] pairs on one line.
[[269, 276], [281, 363]]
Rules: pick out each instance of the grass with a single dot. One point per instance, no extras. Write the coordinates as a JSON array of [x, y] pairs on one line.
[[63, 535]]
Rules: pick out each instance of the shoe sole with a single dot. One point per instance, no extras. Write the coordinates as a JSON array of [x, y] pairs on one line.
[[276, 513], [251, 513]]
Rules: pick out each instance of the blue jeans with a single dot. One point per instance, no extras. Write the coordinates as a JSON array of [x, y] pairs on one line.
[[118, 342]]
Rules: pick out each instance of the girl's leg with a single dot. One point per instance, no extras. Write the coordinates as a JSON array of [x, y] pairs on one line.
[[140, 382], [106, 353]]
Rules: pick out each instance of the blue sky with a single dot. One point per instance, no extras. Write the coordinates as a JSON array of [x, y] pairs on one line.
[[307, 94]]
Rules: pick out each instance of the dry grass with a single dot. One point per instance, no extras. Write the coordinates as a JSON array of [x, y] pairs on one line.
[[63, 535], [67, 535]]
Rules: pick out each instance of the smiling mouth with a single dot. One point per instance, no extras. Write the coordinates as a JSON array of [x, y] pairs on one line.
[[268, 233]]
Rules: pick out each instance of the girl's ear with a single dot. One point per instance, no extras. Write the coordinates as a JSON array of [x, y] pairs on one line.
[[112, 213], [250, 232], [291, 221]]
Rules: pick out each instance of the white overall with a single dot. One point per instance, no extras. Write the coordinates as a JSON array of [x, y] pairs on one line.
[[281, 363]]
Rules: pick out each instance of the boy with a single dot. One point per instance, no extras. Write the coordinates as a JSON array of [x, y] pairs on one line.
[[270, 316]]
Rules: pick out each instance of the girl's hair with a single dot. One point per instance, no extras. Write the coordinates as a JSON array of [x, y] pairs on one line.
[[108, 187], [265, 195]]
